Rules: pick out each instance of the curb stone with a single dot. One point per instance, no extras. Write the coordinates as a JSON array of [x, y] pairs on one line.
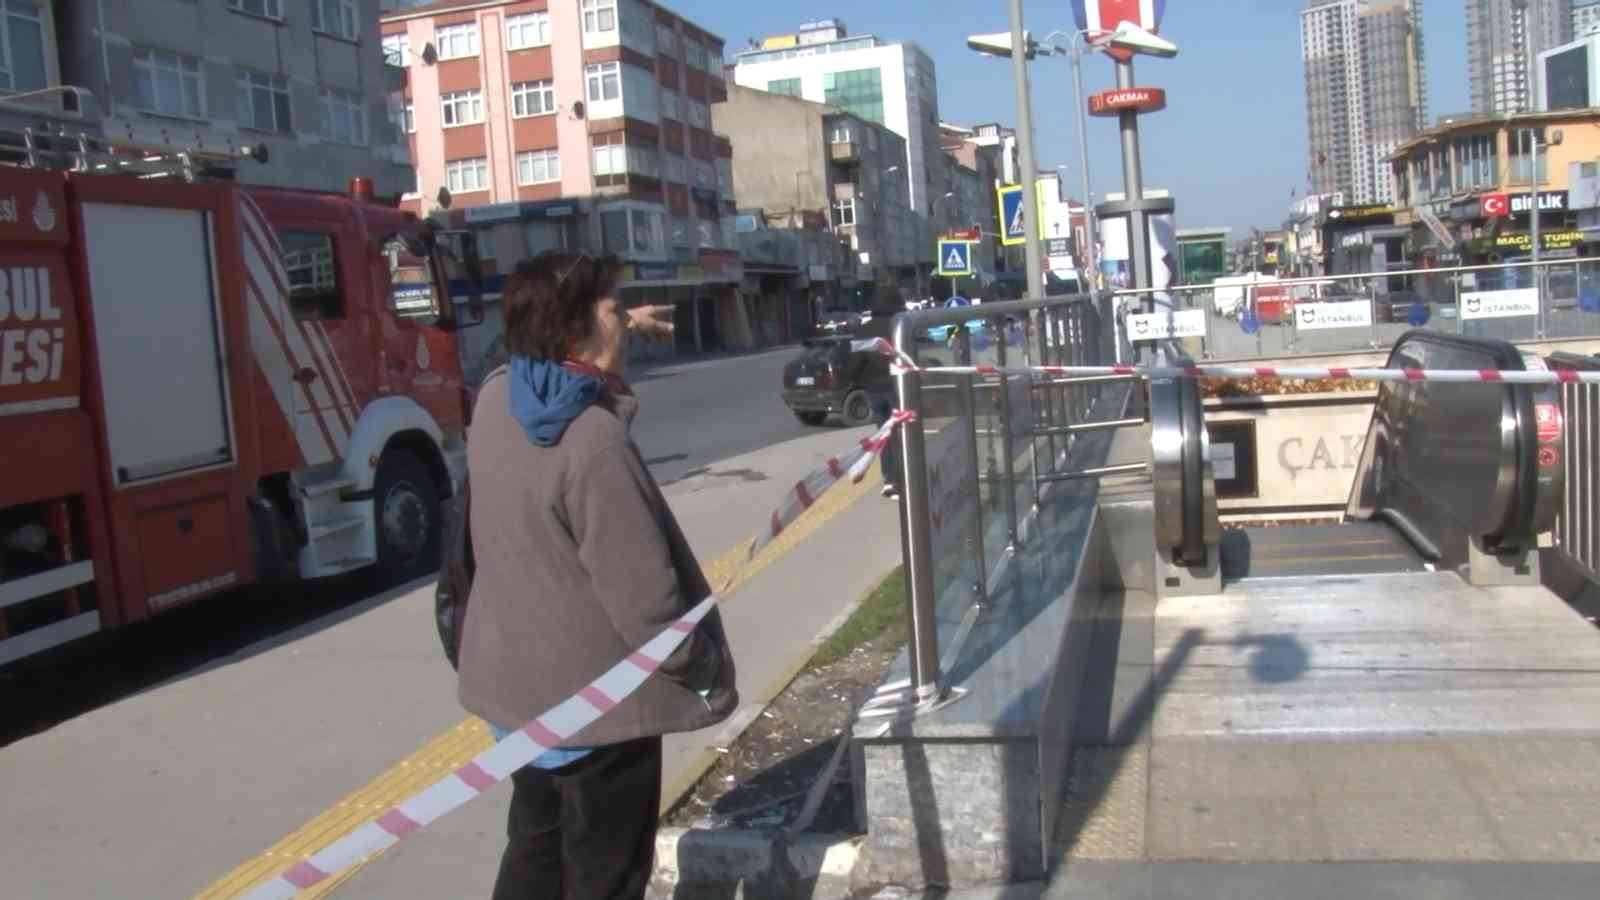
[[755, 865]]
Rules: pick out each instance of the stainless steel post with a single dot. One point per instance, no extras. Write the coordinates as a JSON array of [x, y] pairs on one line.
[[1047, 357], [1008, 465], [1374, 315], [1090, 261], [1133, 185], [1533, 204], [965, 345], [1030, 169], [1461, 325], [924, 649]]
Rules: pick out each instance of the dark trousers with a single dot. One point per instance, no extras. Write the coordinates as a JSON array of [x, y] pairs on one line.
[[882, 408], [586, 831]]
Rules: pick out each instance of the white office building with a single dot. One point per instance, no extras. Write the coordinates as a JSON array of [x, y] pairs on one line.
[[1585, 18], [891, 84]]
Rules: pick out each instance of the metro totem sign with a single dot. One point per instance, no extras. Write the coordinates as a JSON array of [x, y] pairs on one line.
[[1105, 15]]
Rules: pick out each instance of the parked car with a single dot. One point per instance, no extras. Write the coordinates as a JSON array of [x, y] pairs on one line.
[[830, 379]]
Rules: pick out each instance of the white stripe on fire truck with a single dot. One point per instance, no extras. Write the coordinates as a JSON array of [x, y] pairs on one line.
[[270, 253], [318, 394], [320, 353], [316, 446]]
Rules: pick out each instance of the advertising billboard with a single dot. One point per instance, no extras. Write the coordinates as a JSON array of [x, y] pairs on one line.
[[1201, 261]]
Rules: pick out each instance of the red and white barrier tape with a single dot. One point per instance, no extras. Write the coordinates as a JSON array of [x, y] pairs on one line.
[[1276, 373], [806, 491], [567, 718]]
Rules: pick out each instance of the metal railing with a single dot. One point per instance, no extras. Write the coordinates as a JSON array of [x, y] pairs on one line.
[[1577, 531], [981, 456], [1520, 301]]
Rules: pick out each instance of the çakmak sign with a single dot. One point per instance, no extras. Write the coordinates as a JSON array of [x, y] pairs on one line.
[[1139, 99]]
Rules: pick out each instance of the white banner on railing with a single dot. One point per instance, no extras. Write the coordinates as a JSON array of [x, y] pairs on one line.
[[1160, 326], [1500, 304], [1333, 314]]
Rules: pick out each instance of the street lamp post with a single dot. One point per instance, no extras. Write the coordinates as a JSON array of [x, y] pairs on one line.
[[1030, 172]]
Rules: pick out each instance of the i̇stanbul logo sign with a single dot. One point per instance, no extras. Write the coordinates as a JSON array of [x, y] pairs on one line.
[[1106, 15]]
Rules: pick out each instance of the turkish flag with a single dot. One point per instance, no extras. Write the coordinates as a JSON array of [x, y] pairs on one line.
[[1494, 206]]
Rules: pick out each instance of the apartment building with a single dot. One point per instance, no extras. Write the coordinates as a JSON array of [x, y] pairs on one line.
[[578, 124], [793, 157], [1501, 34], [306, 80], [1366, 91], [893, 84]]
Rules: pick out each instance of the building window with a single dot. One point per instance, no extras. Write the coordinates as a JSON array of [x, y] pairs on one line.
[[666, 40], [789, 87], [699, 114], [310, 264], [168, 84], [335, 17], [396, 50], [694, 53], [21, 46], [611, 159], [844, 212], [462, 175], [841, 135], [462, 107], [538, 167], [599, 15], [533, 98], [604, 80], [671, 105], [344, 117], [530, 30], [403, 115], [457, 41], [269, 9], [639, 231], [677, 169], [263, 102], [859, 91]]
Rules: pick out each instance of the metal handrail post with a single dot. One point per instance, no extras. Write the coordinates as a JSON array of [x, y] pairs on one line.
[[1461, 324], [1008, 465], [1046, 337], [965, 340], [1373, 313], [920, 587], [1033, 406]]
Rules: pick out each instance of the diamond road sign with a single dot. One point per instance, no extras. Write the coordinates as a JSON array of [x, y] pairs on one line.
[[955, 258]]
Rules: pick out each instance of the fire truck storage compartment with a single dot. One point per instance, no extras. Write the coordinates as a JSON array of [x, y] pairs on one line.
[[152, 277], [186, 550]]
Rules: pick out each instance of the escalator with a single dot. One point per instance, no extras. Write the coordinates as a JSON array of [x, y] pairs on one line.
[[1460, 478]]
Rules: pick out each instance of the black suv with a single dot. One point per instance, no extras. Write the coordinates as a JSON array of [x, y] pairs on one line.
[[830, 379]]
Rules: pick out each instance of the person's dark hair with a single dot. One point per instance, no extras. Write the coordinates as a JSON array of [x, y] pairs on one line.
[[549, 301]]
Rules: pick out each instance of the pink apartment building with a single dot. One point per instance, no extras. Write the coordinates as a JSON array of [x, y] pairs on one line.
[[577, 124]]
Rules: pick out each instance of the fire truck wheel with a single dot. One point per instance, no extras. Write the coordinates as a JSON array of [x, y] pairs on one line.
[[406, 506]]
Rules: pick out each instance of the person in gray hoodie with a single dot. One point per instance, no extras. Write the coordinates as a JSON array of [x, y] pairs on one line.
[[579, 562]]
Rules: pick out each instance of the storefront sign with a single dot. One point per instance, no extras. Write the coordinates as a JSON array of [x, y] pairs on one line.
[[510, 212], [1335, 314], [1300, 451], [1356, 213], [1140, 99], [654, 271], [1548, 201], [817, 273], [1548, 240], [1500, 304], [1159, 326]]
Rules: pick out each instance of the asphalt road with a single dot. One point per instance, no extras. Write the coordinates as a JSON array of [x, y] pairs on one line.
[[693, 414]]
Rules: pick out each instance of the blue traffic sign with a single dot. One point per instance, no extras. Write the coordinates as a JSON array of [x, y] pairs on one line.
[[955, 258], [1013, 230]]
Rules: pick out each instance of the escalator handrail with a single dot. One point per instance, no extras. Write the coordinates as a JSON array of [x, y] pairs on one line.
[[1518, 521]]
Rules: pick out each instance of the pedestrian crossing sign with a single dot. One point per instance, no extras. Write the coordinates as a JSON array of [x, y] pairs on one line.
[[1013, 230], [955, 258]]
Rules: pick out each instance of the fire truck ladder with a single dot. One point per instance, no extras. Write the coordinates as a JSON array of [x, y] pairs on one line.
[[55, 144]]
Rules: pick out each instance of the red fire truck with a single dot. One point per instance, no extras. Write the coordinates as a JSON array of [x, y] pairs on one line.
[[205, 385]]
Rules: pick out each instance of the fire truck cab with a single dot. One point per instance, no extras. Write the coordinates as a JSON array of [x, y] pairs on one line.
[[205, 385]]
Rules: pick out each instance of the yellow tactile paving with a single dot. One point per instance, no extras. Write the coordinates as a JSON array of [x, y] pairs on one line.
[[452, 749]]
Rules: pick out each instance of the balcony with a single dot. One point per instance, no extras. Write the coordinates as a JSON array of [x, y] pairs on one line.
[[845, 153]]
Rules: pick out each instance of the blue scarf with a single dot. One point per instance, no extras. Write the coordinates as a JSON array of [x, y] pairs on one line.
[[546, 397]]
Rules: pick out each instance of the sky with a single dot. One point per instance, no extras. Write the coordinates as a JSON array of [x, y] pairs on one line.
[[1231, 144]]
